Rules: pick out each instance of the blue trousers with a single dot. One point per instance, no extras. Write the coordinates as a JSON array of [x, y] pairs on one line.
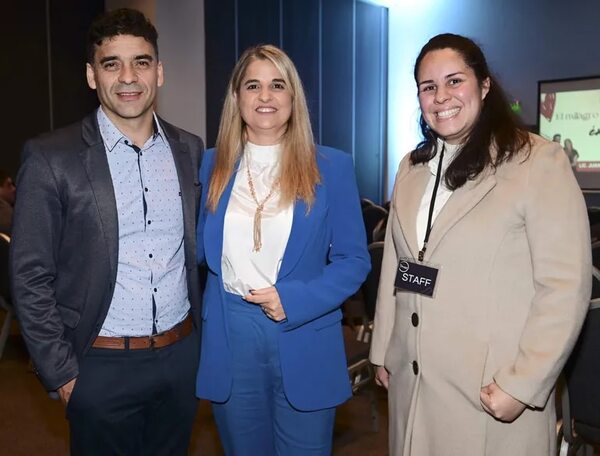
[[258, 419]]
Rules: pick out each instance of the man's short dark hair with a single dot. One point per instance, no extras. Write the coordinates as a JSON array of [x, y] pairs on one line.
[[123, 21]]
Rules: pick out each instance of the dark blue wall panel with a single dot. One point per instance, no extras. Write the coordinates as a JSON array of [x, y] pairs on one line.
[[370, 99], [301, 24], [337, 76], [220, 48], [340, 50], [258, 23]]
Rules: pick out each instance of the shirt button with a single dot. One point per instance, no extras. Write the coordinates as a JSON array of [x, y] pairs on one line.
[[415, 367], [149, 222], [414, 319], [145, 189], [156, 289], [150, 256]]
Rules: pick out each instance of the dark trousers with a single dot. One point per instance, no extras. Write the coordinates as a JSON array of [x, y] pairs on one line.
[[135, 402]]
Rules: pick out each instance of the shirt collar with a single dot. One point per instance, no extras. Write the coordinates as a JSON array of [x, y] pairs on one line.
[[111, 135], [264, 155], [450, 151]]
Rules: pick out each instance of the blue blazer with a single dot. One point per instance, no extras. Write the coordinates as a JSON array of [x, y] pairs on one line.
[[325, 261]]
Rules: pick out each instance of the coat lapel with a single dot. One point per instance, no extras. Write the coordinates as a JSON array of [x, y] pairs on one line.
[[299, 235], [96, 166], [189, 187], [407, 199], [460, 203], [213, 228]]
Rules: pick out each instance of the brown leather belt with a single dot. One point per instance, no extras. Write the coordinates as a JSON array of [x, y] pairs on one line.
[[176, 333]]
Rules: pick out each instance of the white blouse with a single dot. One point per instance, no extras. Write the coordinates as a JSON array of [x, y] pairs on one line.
[[242, 268], [443, 194]]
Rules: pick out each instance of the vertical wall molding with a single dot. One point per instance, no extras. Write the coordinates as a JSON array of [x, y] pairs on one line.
[[353, 151], [320, 85], [383, 96], [236, 27]]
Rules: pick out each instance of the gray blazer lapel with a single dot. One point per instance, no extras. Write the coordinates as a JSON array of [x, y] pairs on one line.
[[96, 166], [190, 189]]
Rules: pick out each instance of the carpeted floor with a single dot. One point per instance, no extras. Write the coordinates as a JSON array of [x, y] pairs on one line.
[[33, 424]]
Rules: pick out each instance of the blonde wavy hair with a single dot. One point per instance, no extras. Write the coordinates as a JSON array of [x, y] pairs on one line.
[[299, 171]]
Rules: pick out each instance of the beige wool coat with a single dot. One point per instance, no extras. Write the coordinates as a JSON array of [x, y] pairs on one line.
[[513, 250]]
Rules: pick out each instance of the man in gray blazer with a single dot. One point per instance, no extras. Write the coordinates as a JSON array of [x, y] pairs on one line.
[[103, 255]]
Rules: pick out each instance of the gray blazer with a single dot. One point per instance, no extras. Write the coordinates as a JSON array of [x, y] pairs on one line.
[[65, 242]]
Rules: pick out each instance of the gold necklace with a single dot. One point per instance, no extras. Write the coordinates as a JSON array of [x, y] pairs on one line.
[[259, 207]]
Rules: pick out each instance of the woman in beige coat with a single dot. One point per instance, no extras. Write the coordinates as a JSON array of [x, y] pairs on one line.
[[471, 369]]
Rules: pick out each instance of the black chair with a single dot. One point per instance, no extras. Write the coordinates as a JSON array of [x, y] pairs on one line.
[[371, 284], [594, 218], [379, 231], [373, 217], [5, 303], [366, 202], [580, 399], [357, 337]]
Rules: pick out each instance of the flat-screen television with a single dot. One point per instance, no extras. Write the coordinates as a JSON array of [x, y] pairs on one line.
[[569, 113]]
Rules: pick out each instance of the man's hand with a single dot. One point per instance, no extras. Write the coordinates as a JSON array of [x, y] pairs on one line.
[[500, 404], [382, 376], [268, 300], [65, 391]]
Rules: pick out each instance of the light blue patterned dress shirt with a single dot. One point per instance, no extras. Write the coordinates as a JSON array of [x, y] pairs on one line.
[[151, 289]]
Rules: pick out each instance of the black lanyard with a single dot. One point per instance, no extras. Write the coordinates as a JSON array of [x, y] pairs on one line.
[[432, 204]]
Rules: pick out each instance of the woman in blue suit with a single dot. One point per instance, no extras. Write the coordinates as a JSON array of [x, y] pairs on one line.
[[282, 235]]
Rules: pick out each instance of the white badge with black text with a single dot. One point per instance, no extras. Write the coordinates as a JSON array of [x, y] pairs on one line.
[[416, 277]]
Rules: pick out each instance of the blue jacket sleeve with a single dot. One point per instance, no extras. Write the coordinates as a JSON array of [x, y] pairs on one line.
[[348, 257]]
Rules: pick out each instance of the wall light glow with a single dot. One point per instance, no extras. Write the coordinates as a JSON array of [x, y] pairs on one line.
[[405, 5], [411, 24], [386, 3]]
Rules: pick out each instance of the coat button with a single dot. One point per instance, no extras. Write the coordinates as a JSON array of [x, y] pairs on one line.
[[415, 319], [415, 367]]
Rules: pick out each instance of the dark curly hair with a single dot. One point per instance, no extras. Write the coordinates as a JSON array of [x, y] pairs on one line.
[[123, 21], [496, 127]]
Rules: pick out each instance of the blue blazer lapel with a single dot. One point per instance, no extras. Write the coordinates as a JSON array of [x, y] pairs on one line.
[[301, 230], [213, 228]]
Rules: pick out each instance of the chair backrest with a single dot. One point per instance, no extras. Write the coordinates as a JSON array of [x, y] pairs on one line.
[[372, 216], [366, 202], [371, 284], [4, 288], [594, 218], [583, 377]]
